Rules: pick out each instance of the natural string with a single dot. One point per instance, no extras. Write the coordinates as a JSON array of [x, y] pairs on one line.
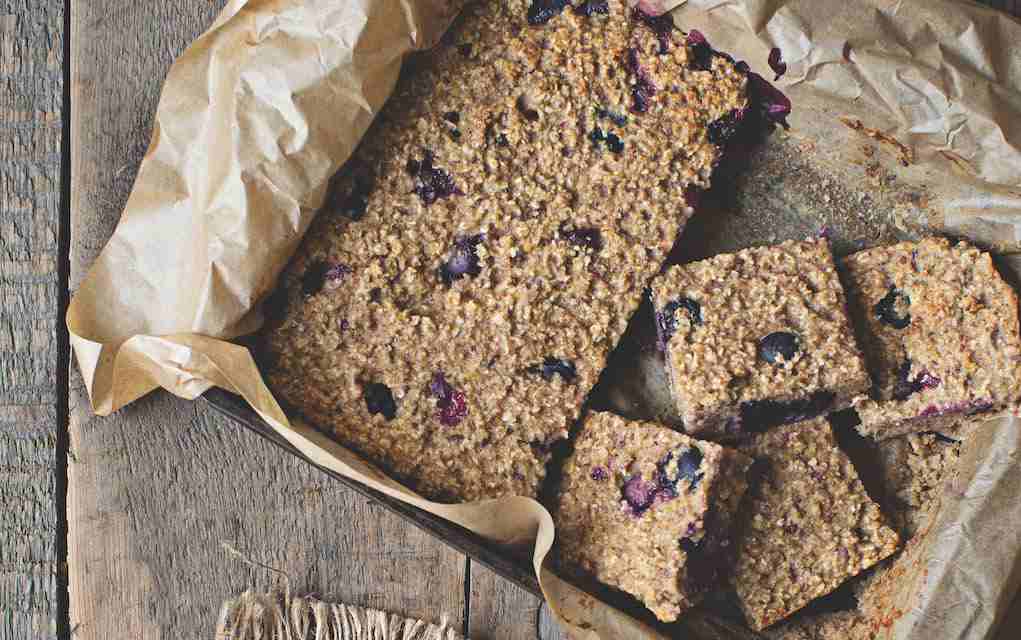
[[280, 615]]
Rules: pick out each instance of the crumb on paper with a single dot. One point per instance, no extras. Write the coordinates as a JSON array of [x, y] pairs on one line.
[[905, 154]]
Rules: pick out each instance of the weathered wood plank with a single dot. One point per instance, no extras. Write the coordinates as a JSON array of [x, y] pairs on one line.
[[154, 489], [500, 610], [31, 101]]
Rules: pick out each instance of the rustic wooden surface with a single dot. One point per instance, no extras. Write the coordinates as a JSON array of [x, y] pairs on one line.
[[153, 492], [31, 105]]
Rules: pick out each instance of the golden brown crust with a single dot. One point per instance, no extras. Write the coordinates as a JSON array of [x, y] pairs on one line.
[[490, 147]]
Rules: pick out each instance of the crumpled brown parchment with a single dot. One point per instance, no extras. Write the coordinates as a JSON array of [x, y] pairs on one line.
[[262, 109]]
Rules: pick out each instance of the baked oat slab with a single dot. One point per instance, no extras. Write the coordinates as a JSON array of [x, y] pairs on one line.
[[940, 331], [810, 526], [758, 338], [493, 235], [648, 510]]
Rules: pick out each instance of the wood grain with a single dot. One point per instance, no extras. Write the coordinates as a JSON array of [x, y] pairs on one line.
[[154, 489], [501, 610], [31, 99]]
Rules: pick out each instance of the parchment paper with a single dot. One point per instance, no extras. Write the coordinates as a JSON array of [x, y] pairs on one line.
[[263, 108]]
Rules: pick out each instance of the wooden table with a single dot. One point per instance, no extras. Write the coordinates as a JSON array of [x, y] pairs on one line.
[[127, 513]]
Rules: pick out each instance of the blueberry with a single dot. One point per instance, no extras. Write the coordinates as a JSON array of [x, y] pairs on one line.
[[666, 323], [616, 118], [638, 494], [722, 130], [453, 117], [779, 347], [590, 7], [597, 136], [688, 546], [465, 49], [757, 415], [893, 309], [451, 404], [463, 260], [614, 143], [431, 182], [542, 11], [379, 400], [905, 387], [686, 465], [588, 237], [554, 366], [599, 474]]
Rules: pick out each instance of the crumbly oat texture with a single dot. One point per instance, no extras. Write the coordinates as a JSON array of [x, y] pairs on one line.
[[940, 330], [648, 510], [914, 471], [810, 527], [493, 235], [757, 338]]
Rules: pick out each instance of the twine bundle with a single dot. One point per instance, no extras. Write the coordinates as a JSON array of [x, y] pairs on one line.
[[279, 615]]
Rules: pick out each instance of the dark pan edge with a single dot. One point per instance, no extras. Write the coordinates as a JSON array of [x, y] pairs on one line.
[[517, 570]]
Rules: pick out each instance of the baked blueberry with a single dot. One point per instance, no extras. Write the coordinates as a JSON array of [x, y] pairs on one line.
[[556, 367], [590, 7], [599, 474], [542, 11], [618, 119], [614, 143], [380, 401], [588, 237], [431, 182], [451, 406], [779, 347], [463, 260], [638, 494], [892, 310], [666, 323], [685, 464]]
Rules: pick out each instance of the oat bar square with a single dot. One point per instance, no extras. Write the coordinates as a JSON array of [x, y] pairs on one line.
[[648, 510], [810, 524], [940, 331], [760, 337]]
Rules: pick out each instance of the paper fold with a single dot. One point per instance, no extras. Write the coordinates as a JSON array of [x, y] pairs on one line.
[[261, 110]]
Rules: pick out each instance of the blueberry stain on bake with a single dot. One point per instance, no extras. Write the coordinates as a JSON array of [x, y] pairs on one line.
[[542, 11], [682, 465], [431, 182], [590, 8], [892, 310], [666, 321], [639, 494], [644, 88], [379, 400], [552, 367], [618, 119], [661, 25], [463, 260], [779, 347], [611, 140], [905, 386], [586, 237], [451, 405], [599, 474]]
